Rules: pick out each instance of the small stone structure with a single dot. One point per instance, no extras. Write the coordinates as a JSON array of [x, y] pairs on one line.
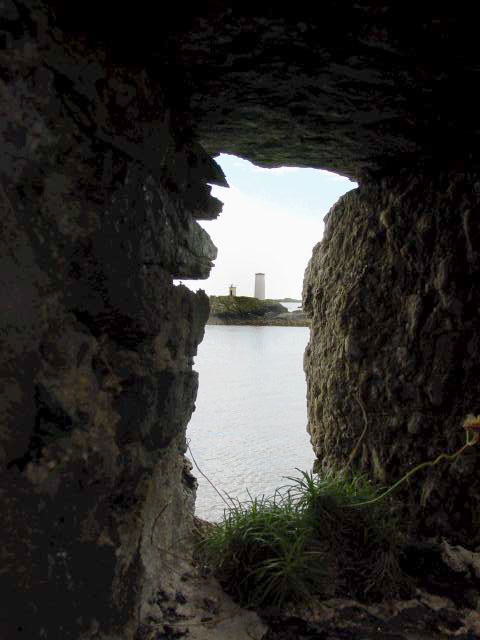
[[259, 286]]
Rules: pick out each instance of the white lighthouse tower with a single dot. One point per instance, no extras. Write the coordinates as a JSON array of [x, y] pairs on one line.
[[260, 286]]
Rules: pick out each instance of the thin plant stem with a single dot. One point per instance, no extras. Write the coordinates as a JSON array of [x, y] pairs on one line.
[[351, 457], [206, 477], [431, 463]]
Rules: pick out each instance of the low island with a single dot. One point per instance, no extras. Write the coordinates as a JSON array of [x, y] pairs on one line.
[[243, 310]]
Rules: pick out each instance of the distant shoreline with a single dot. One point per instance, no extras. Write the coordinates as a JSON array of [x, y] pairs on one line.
[[274, 322], [242, 310]]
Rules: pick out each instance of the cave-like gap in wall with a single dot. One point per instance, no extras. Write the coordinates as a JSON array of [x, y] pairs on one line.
[[109, 128], [270, 222]]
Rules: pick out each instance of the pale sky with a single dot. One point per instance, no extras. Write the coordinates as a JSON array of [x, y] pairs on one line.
[[271, 220]]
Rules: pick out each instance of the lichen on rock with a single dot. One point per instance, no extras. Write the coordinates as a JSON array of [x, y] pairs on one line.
[[389, 332]]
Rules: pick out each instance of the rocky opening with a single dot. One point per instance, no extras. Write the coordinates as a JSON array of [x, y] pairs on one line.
[[108, 135]]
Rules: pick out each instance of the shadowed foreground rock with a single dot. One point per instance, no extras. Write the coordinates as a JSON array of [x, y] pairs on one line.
[[443, 605], [97, 344]]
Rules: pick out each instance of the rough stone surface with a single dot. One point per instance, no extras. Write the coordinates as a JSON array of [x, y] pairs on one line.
[[104, 117], [392, 291], [423, 617], [98, 195], [443, 605], [356, 87]]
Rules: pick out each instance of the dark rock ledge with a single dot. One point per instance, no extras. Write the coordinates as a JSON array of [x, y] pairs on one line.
[[443, 605]]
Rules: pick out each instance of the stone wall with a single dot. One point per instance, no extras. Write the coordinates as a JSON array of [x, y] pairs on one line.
[[99, 194], [393, 293], [102, 179]]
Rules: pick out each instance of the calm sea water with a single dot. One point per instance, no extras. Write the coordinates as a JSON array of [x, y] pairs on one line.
[[249, 428]]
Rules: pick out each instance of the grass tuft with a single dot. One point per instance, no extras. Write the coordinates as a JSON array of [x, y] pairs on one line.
[[309, 539]]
